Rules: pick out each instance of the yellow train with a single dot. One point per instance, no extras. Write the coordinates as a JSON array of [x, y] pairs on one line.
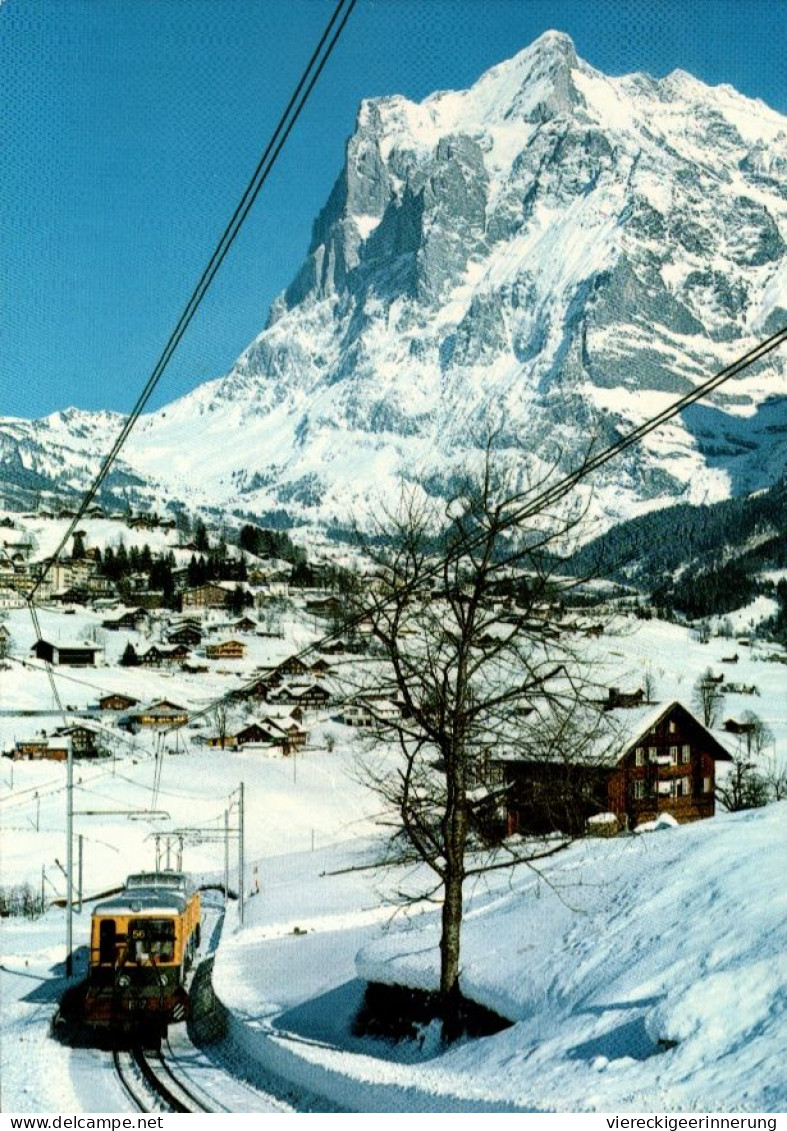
[[142, 942]]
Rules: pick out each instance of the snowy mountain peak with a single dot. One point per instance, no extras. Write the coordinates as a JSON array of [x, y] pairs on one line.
[[552, 255]]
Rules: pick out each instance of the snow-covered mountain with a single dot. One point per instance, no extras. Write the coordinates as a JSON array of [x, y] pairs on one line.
[[550, 257]]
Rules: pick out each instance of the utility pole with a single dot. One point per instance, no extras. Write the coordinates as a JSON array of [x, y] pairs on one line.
[[226, 855], [43, 885], [38, 812], [69, 859], [79, 874], [158, 852], [241, 861]]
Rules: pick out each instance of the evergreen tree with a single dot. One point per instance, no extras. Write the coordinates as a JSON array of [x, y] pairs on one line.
[[201, 540]]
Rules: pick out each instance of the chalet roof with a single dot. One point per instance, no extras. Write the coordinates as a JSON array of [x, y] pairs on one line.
[[633, 723], [80, 724], [593, 736], [63, 645]]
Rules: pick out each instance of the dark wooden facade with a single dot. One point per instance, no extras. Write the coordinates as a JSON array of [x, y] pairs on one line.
[[117, 702], [76, 655], [669, 767]]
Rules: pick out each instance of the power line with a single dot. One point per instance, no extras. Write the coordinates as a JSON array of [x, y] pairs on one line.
[[537, 503], [295, 106]]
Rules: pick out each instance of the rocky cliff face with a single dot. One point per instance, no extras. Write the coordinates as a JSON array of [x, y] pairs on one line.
[[548, 257]]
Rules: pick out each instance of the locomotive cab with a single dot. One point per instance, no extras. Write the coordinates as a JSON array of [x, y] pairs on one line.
[[142, 941]]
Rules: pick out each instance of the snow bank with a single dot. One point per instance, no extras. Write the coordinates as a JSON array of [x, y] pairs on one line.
[[641, 973]]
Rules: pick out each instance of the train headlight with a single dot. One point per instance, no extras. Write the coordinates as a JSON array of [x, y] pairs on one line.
[[124, 980]]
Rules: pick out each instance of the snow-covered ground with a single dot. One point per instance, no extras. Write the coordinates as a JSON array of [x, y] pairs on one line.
[[676, 936], [642, 974]]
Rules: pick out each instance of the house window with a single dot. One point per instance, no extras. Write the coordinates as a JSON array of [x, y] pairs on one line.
[[683, 787], [639, 756], [673, 726], [673, 755], [685, 754], [706, 786], [653, 753], [639, 790]]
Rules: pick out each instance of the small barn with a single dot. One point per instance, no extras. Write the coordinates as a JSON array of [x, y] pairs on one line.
[[74, 653]]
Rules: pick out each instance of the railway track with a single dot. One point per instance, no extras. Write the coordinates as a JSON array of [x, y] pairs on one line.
[[151, 1085]]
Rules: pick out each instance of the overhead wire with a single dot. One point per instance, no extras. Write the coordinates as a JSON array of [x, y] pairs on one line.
[[281, 133], [295, 106], [533, 506]]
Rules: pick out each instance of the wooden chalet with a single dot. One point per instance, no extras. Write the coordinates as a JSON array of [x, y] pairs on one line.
[[41, 749], [208, 596], [306, 696], [371, 712], [654, 759], [734, 726], [245, 624], [76, 654], [84, 739], [324, 606], [225, 650], [157, 656], [132, 620], [267, 731], [186, 634], [617, 699], [259, 689], [161, 714], [117, 702]]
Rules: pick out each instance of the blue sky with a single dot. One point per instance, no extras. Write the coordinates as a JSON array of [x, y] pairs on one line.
[[132, 127]]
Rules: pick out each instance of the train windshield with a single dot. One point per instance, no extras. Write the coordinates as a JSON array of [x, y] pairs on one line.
[[151, 940], [106, 941]]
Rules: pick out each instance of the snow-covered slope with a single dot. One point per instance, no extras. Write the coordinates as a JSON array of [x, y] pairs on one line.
[[645, 974], [550, 256]]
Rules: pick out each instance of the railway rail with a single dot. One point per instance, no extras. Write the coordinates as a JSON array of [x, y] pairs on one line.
[[151, 1085]]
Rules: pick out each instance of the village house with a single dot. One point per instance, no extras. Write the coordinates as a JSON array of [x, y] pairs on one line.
[[307, 696], [245, 624], [208, 596], [76, 653], [116, 702], [43, 748], [158, 656], [159, 715], [185, 634], [225, 650], [283, 732], [131, 620], [10, 598], [84, 739], [652, 759], [371, 711]]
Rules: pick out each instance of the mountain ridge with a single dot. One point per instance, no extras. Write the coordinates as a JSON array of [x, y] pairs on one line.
[[549, 257]]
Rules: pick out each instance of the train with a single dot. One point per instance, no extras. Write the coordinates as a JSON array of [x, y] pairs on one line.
[[142, 942]]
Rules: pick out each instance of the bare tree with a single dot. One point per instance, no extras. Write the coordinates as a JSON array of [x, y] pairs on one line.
[[219, 715], [649, 684], [774, 774], [743, 787], [708, 698], [466, 617]]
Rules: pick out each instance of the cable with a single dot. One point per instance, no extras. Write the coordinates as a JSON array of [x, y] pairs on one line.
[[295, 106], [538, 503]]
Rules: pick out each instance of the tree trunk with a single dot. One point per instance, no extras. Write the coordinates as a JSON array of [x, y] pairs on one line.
[[450, 994]]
